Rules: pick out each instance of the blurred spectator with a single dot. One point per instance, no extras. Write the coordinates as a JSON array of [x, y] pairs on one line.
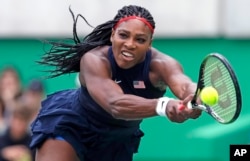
[[10, 87], [2, 120], [14, 143], [33, 96]]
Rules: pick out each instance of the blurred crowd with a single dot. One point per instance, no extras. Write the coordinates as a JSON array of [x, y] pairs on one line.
[[19, 105]]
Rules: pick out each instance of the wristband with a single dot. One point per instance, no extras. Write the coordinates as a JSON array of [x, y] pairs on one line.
[[162, 105]]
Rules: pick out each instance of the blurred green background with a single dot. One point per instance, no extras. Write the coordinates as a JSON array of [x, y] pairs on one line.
[[201, 139]]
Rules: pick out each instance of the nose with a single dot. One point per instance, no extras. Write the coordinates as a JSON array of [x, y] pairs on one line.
[[130, 44]]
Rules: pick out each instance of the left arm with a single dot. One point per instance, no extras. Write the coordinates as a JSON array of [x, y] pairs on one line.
[[169, 70], [171, 73]]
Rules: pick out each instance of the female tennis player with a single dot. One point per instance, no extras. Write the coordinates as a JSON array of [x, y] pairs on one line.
[[123, 80]]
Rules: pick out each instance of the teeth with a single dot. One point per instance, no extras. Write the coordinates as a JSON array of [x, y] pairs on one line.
[[127, 54]]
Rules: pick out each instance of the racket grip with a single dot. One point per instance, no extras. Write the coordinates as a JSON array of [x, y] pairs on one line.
[[182, 107]]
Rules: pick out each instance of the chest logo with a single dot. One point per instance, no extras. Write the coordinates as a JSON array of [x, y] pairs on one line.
[[139, 84], [117, 81]]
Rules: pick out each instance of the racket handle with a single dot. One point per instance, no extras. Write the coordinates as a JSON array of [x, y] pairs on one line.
[[182, 107]]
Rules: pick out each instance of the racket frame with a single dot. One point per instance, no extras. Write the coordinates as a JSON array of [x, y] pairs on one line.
[[201, 85]]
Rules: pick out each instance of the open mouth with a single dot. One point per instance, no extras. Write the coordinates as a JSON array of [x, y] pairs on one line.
[[127, 56]]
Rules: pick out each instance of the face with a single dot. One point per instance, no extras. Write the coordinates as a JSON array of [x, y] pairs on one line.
[[18, 127], [130, 41], [9, 85]]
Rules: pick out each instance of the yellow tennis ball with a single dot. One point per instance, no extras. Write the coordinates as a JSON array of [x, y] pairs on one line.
[[209, 96]]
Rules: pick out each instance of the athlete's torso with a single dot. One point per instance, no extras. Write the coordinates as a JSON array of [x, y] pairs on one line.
[[132, 81]]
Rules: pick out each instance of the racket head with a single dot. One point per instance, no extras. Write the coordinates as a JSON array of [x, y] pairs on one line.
[[216, 71]]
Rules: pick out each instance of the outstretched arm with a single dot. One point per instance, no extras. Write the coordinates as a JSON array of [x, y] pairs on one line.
[[96, 75], [169, 71]]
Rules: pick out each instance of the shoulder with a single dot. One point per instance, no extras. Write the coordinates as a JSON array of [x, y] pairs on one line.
[[163, 66], [162, 59], [165, 71], [99, 51], [97, 54], [96, 58], [95, 63]]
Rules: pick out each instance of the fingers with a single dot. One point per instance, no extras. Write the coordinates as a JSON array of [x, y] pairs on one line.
[[188, 99], [191, 113], [185, 103], [178, 112], [181, 106], [195, 113], [174, 114]]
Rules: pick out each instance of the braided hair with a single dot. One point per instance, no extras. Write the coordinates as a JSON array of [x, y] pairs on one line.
[[65, 57]]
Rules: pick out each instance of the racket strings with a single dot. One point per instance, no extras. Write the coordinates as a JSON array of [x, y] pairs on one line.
[[217, 75]]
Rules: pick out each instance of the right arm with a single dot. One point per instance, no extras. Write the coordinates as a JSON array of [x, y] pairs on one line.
[[96, 76]]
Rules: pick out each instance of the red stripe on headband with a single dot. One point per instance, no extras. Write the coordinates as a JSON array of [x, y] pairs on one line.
[[135, 17]]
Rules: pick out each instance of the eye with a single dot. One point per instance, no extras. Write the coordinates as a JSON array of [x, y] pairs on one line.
[[123, 35], [141, 40]]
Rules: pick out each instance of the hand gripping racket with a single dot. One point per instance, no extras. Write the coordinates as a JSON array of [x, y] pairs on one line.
[[216, 71]]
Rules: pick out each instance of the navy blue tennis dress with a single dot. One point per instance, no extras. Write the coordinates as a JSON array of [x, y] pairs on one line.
[[94, 134]]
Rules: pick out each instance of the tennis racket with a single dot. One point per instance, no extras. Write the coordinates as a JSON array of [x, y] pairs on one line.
[[216, 71]]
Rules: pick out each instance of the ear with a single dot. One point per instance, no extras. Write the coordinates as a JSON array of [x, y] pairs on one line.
[[112, 35]]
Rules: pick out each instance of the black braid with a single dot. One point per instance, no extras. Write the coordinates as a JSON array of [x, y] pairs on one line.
[[65, 57]]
